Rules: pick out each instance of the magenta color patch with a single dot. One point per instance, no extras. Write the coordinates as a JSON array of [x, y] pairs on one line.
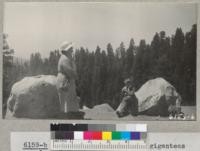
[[87, 135]]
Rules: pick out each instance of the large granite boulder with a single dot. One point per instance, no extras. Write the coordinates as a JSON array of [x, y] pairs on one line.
[[34, 97], [158, 97]]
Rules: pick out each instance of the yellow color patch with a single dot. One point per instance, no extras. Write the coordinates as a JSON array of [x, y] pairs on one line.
[[106, 135]]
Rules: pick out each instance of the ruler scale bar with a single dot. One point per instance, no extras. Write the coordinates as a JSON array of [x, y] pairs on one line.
[[97, 145]]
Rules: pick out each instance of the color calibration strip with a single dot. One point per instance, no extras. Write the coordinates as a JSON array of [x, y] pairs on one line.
[[99, 127], [97, 135]]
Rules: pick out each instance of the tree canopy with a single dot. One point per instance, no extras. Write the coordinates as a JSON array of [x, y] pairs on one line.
[[101, 72]]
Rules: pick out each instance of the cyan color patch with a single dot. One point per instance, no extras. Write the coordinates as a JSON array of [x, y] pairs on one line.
[[125, 135]]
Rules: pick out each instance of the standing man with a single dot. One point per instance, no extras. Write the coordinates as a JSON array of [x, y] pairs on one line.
[[66, 80]]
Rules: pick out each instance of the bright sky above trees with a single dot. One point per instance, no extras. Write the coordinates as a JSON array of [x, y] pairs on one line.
[[43, 27]]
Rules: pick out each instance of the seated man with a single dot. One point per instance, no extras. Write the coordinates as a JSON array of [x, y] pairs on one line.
[[129, 103]]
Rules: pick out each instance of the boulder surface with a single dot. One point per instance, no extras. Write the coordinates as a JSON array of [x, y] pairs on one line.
[[151, 97], [34, 97]]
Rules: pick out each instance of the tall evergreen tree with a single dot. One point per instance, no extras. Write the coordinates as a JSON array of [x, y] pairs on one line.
[[188, 62], [8, 78], [53, 61], [96, 79], [130, 58], [176, 51], [110, 72], [140, 68], [36, 64]]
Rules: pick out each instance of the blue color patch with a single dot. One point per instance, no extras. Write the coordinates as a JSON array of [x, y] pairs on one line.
[[125, 135], [135, 136]]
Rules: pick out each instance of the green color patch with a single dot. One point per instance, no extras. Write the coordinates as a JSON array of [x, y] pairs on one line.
[[116, 135]]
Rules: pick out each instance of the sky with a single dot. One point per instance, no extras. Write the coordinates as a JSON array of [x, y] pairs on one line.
[[43, 26]]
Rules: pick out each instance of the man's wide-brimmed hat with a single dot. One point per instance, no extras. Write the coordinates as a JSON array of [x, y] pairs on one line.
[[65, 46]]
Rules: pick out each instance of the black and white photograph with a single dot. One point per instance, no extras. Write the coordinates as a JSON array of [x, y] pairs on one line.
[[99, 61]]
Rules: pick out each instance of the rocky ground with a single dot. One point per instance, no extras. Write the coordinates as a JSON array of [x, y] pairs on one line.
[[105, 112]]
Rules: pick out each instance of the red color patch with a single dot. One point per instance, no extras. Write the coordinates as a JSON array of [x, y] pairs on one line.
[[97, 135]]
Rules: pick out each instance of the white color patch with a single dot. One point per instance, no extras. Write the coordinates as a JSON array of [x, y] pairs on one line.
[[78, 135], [141, 128]]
